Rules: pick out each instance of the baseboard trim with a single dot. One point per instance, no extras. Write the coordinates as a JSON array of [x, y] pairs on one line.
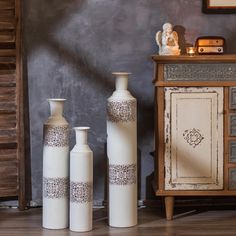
[[159, 202]]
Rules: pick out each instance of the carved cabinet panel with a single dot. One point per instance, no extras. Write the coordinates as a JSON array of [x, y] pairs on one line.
[[193, 138]]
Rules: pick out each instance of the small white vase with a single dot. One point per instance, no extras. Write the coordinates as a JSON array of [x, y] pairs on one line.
[[81, 183], [122, 154], [56, 168]]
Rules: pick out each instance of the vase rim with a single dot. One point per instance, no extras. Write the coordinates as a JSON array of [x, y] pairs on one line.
[[121, 73], [57, 99], [81, 128]]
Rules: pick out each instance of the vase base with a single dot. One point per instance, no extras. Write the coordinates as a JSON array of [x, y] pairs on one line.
[[123, 226], [81, 231], [53, 228]]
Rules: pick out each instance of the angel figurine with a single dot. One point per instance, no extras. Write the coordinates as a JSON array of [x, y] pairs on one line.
[[167, 41]]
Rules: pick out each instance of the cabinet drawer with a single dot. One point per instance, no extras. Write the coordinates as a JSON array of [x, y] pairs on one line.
[[232, 98], [232, 124], [232, 151], [232, 178]]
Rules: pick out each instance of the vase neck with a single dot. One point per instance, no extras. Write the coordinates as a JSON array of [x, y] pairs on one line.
[[56, 106], [121, 80], [81, 135]]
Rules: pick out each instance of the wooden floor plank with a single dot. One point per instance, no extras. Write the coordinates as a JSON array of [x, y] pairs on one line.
[[151, 222]]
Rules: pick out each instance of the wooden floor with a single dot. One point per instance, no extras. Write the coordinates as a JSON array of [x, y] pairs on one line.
[[151, 222]]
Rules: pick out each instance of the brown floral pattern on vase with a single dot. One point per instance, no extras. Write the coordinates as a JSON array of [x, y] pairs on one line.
[[81, 192], [121, 111], [55, 187], [56, 136], [122, 174]]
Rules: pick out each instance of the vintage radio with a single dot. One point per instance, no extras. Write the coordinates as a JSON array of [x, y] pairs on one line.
[[210, 45]]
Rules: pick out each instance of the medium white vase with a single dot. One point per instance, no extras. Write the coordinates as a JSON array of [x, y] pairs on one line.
[[81, 183], [56, 168], [122, 154]]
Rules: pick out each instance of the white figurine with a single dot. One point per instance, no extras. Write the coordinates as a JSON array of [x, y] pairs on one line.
[[167, 41]]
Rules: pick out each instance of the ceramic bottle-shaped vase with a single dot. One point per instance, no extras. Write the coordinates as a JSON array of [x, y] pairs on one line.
[[55, 168], [81, 183], [122, 154]]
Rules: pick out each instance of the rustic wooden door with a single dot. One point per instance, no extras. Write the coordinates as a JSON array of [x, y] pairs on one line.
[[12, 180], [193, 138]]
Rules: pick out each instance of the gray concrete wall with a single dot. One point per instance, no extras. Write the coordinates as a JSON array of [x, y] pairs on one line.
[[71, 48]]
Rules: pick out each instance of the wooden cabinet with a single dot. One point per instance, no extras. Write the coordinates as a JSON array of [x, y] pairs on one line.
[[12, 156], [195, 134]]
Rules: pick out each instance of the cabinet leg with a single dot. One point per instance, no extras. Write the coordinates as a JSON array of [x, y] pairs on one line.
[[169, 205]]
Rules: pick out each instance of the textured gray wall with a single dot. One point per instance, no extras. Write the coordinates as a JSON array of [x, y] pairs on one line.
[[71, 48]]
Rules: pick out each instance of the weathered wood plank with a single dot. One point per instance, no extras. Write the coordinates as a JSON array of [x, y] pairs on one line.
[[7, 52], [7, 4], [8, 132], [6, 140], [8, 135], [7, 97], [7, 91], [8, 171], [10, 179], [7, 152], [9, 164], [8, 78], [8, 192], [7, 24], [7, 72], [9, 125], [9, 145], [7, 108], [9, 184], [7, 84], [6, 13], [8, 155], [7, 60], [7, 68], [7, 37], [7, 9], [7, 121]]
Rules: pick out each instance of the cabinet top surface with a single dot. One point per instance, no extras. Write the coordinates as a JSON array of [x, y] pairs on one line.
[[195, 59]]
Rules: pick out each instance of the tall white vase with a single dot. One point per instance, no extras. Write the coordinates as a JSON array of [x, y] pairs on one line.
[[81, 183], [55, 168], [122, 154]]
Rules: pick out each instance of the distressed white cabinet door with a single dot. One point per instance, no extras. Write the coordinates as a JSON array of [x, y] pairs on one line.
[[193, 138]]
